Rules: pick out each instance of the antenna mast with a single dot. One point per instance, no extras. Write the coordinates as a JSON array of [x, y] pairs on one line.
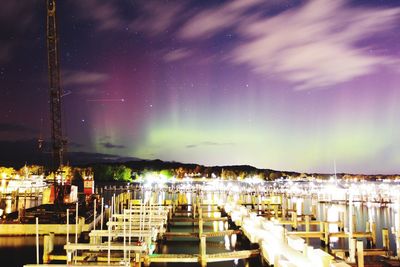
[[57, 140]]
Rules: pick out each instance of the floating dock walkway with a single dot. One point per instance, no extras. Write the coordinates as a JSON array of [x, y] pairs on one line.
[[278, 230], [131, 233]]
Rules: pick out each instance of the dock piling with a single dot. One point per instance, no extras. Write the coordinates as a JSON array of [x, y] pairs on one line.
[[203, 256], [307, 218], [294, 220], [398, 227], [326, 233], [37, 240], [200, 222], [385, 238], [352, 250], [76, 222], [373, 231], [48, 247], [102, 213], [360, 253], [137, 260], [94, 214], [67, 226]]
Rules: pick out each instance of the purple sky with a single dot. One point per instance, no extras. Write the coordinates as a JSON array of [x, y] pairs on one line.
[[290, 85]]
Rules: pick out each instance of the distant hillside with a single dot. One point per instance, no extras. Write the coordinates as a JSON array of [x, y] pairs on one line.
[[181, 169], [18, 153]]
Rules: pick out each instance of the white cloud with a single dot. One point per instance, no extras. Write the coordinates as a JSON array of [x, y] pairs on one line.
[[312, 46], [157, 17], [177, 54], [316, 45], [83, 78], [213, 20], [150, 17], [104, 13]]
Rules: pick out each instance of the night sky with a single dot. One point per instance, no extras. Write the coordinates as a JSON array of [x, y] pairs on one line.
[[281, 84]]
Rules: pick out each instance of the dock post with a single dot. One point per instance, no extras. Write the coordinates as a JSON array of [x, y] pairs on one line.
[[314, 210], [194, 210], [130, 227], [51, 241], [326, 233], [292, 206], [200, 222], [284, 236], [76, 222], [148, 242], [170, 214], [137, 260], [37, 240], [69, 258], [385, 238], [307, 223], [116, 204], [124, 231], [373, 230], [94, 214], [276, 211], [354, 221], [112, 206], [294, 220], [102, 213], [301, 204], [352, 250], [398, 227], [17, 203], [48, 247], [46, 251], [146, 261], [109, 244], [321, 229], [67, 226], [253, 201], [203, 256], [325, 211], [341, 218], [307, 219], [360, 254], [352, 242], [262, 206], [284, 207]]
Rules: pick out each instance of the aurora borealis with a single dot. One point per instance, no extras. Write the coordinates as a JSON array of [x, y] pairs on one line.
[[280, 84]]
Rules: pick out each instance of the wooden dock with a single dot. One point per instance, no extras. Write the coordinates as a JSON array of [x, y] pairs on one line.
[[133, 230]]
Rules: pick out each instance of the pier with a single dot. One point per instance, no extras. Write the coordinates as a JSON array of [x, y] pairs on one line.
[[279, 229], [134, 228]]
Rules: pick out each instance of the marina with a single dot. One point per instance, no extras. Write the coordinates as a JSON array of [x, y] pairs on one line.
[[281, 229]]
